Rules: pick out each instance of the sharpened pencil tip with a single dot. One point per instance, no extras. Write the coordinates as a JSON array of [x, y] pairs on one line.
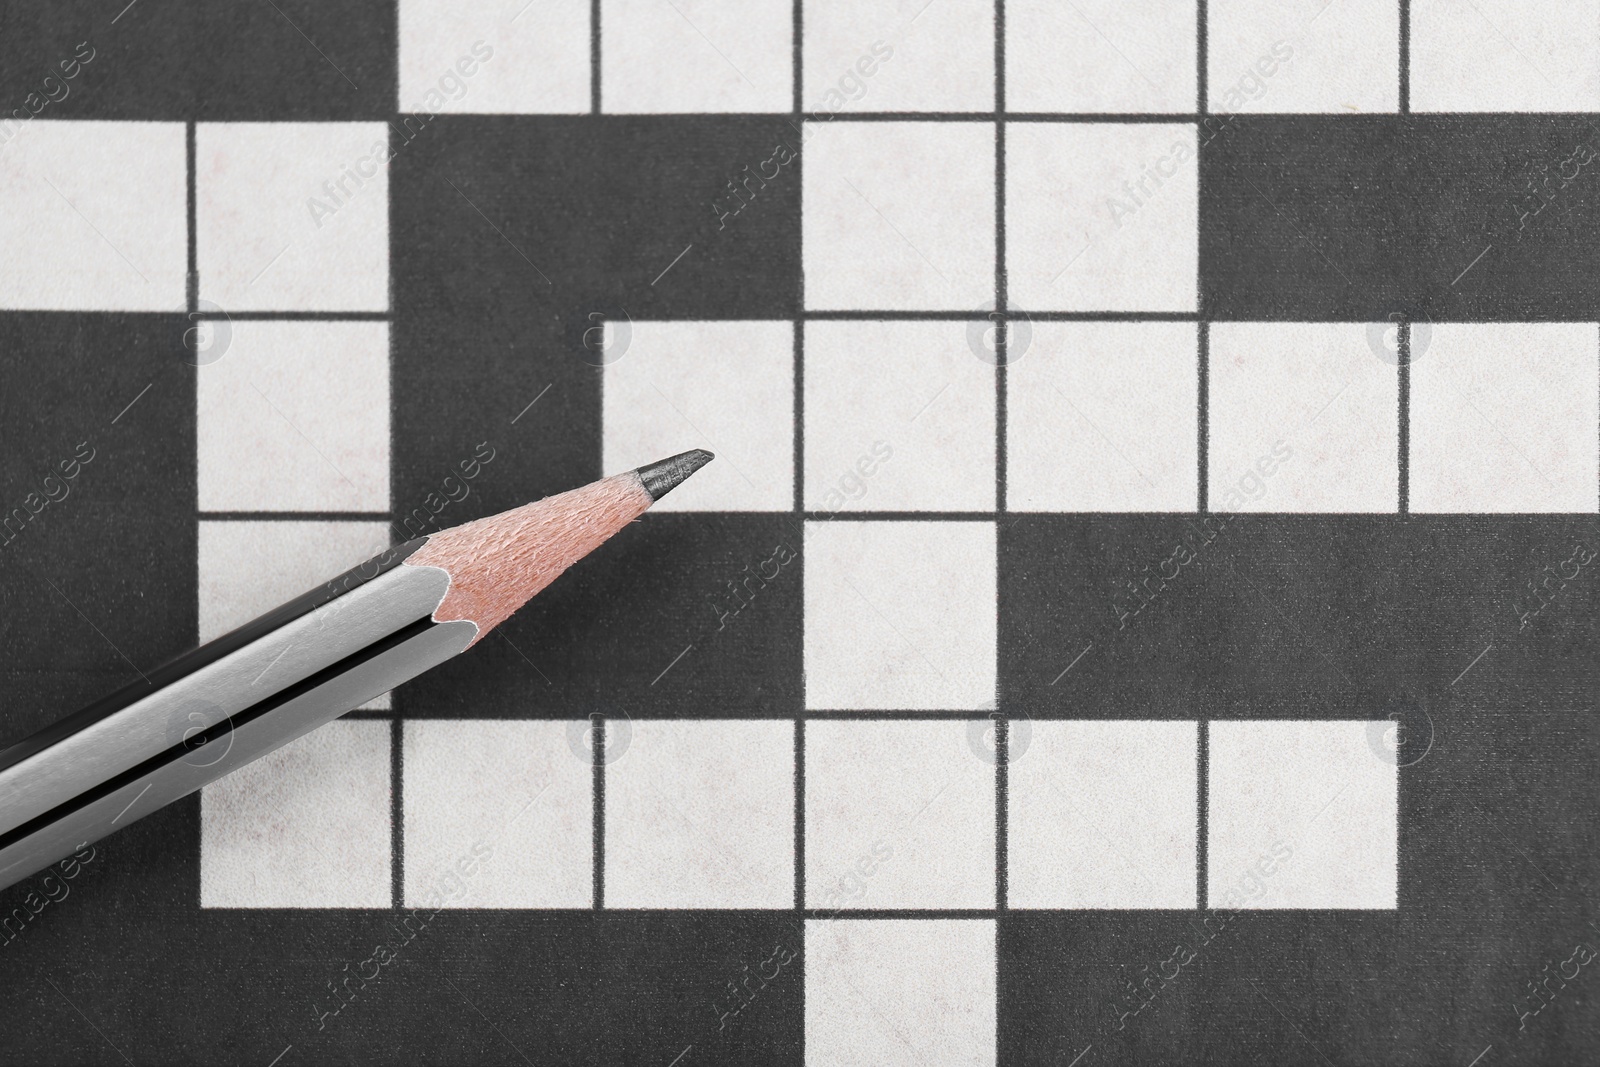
[[663, 476]]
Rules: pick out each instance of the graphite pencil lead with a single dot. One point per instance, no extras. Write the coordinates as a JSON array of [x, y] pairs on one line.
[[499, 563], [665, 475]]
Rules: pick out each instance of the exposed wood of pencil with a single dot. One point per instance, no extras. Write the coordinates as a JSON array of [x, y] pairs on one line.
[[499, 563]]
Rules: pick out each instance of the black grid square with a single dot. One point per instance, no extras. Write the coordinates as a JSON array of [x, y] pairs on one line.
[[185, 59], [675, 621], [1358, 218], [100, 566]]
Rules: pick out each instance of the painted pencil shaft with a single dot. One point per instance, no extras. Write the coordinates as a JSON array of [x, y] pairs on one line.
[[122, 799], [48, 770]]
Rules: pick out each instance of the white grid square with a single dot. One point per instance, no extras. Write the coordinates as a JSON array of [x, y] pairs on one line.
[[660, 56], [248, 568], [245, 569], [899, 416], [1103, 416], [899, 55], [900, 992], [306, 826], [671, 787], [724, 386], [295, 417], [1102, 216], [504, 57], [898, 215], [1301, 815], [1504, 55], [1337, 56], [1304, 416], [498, 814], [1504, 417], [898, 815], [1102, 814], [1100, 55], [96, 216], [900, 615], [293, 216]]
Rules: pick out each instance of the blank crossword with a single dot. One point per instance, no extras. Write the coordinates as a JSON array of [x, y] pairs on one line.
[[1131, 421]]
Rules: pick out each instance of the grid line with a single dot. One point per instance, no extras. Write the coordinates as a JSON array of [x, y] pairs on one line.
[[597, 748], [594, 57], [1403, 389], [1202, 812], [1404, 104], [1002, 351], [397, 821], [1203, 419], [797, 120], [192, 286]]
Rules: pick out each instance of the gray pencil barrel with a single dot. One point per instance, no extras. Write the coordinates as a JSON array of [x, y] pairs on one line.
[[125, 798], [198, 701]]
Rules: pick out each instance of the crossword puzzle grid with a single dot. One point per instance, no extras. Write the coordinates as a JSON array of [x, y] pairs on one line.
[[978, 310]]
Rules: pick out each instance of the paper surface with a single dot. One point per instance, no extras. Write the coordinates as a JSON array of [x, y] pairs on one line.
[[1190, 661]]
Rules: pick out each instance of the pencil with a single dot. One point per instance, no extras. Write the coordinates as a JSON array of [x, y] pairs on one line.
[[239, 697]]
